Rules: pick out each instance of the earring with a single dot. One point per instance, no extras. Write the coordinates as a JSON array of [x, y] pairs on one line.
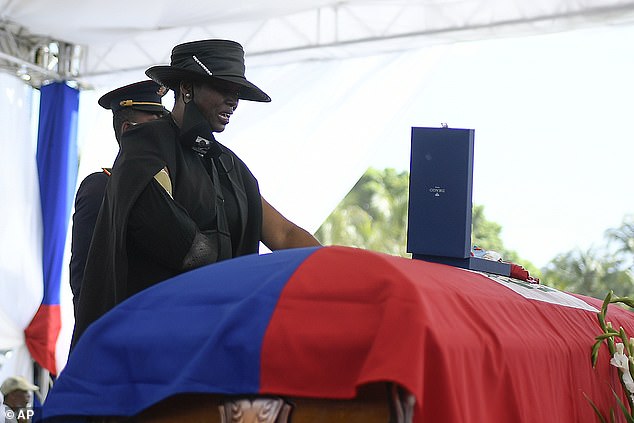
[[187, 97]]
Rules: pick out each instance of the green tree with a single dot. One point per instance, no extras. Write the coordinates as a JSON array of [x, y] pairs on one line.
[[487, 234], [373, 215], [598, 270], [589, 272], [622, 238]]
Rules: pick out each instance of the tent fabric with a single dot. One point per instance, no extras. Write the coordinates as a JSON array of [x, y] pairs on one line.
[[21, 288], [133, 35], [57, 171], [320, 322]]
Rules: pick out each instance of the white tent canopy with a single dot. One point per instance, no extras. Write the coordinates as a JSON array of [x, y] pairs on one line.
[[123, 35]]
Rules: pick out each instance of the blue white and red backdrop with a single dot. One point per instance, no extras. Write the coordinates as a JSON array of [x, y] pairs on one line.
[[37, 181]]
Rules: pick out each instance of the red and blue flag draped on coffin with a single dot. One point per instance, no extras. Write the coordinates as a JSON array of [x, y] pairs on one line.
[[319, 322]]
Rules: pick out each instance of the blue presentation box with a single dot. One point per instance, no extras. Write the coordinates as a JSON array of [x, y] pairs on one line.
[[440, 199]]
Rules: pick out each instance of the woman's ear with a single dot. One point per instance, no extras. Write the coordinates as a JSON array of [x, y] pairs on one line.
[[187, 92]]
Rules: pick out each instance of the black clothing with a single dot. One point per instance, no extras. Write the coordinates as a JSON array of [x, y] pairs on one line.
[[87, 203], [143, 236], [231, 209]]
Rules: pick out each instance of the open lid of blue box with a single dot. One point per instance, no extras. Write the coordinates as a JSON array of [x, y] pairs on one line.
[[440, 199]]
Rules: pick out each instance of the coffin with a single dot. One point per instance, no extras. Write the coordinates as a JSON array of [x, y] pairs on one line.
[[341, 327]]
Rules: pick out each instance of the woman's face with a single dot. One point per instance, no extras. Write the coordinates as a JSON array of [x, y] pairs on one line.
[[217, 101]]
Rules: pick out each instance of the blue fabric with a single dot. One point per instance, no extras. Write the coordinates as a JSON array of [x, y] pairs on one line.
[[57, 171], [187, 334]]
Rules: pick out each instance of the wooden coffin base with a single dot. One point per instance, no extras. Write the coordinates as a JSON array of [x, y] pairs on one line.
[[374, 403]]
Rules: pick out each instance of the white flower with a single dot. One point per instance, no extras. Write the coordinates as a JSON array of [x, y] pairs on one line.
[[620, 347], [621, 361], [629, 382]]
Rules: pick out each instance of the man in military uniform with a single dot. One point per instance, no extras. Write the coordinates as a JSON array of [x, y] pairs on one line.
[[131, 105]]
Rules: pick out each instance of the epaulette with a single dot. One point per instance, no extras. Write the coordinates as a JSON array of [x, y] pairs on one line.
[[107, 170]]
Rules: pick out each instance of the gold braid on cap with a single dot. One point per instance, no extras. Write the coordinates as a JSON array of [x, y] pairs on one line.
[[127, 103]]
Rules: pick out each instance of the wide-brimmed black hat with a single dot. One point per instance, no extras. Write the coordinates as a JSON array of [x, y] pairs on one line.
[[144, 95], [207, 59]]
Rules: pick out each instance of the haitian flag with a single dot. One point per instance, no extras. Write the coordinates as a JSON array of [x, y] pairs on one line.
[[321, 322], [57, 172]]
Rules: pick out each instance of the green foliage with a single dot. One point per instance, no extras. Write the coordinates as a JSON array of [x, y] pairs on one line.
[[597, 270], [589, 273], [373, 216], [622, 240], [487, 235], [621, 349]]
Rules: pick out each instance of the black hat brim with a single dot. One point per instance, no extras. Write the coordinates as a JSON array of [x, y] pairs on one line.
[[171, 77]]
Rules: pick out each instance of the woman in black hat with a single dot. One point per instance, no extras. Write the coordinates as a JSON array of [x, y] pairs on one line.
[[178, 199]]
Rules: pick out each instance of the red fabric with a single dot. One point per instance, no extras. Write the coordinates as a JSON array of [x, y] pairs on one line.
[[41, 336], [518, 272], [468, 348]]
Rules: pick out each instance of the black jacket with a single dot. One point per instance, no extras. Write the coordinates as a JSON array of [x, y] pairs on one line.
[[87, 203], [142, 235]]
